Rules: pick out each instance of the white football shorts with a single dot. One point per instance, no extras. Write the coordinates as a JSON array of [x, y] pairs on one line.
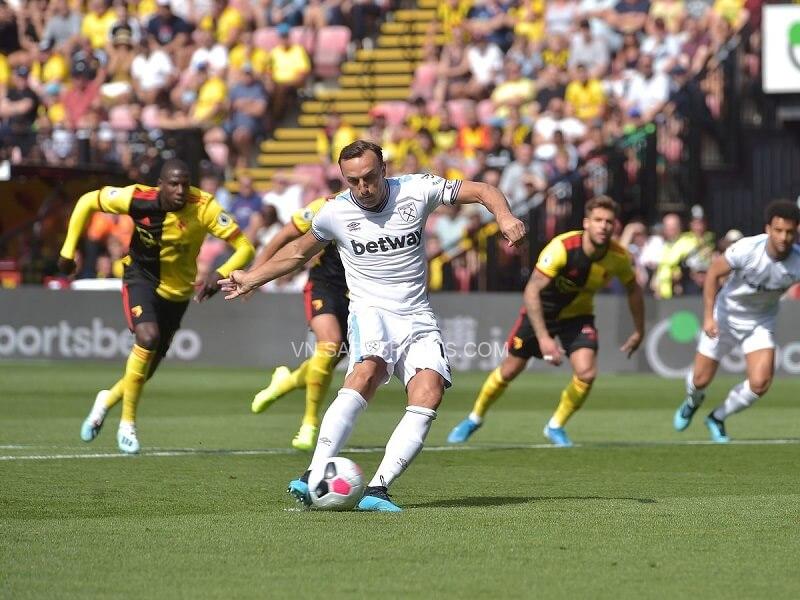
[[407, 343], [756, 336]]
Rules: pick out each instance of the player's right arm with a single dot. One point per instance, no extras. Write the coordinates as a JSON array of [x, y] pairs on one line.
[[300, 223], [110, 200], [288, 259], [288, 233], [551, 261], [719, 269]]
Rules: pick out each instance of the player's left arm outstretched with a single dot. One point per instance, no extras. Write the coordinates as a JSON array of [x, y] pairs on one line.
[[511, 227], [636, 306], [288, 259]]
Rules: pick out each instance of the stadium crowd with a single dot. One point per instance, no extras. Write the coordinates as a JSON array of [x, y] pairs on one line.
[[532, 96]]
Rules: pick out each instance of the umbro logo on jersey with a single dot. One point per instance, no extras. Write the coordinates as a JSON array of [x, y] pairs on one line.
[[408, 212], [385, 244], [353, 226]]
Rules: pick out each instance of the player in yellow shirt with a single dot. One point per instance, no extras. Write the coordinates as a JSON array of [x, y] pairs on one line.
[[170, 223], [327, 308], [559, 303]]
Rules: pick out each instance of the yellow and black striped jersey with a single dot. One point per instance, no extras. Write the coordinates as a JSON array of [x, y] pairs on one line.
[[165, 244], [576, 278], [327, 269]]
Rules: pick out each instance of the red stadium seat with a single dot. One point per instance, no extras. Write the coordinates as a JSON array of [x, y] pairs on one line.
[[331, 50], [121, 118], [458, 111], [303, 36], [150, 117], [218, 153], [485, 111], [315, 172], [424, 80], [394, 111], [266, 38]]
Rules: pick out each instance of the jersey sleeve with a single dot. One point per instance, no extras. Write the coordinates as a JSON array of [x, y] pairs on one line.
[[322, 224], [738, 253], [220, 223], [623, 265], [115, 200], [624, 270], [303, 217], [438, 190], [552, 259], [108, 199]]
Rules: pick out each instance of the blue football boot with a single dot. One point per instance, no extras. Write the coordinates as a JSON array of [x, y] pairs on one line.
[[298, 488], [558, 436], [376, 499], [683, 416], [463, 431], [717, 430]]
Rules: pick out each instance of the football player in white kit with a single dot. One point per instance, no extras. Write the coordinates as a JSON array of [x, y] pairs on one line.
[[759, 270], [377, 226]]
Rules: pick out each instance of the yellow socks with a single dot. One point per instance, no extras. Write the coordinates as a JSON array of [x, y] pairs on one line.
[[133, 381], [572, 398], [298, 378], [318, 378], [491, 390]]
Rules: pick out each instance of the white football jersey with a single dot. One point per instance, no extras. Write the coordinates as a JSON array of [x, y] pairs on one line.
[[382, 250], [754, 288]]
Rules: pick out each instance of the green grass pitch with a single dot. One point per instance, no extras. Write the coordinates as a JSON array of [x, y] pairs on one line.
[[633, 512]]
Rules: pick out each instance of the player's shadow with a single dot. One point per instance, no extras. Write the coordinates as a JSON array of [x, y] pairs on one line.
[[488, 501]]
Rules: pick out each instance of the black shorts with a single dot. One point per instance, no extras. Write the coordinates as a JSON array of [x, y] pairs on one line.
[[574, 333], [321, 299], [142, 304]]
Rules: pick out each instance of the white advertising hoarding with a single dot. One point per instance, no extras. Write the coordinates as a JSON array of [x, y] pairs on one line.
[[780, 29]]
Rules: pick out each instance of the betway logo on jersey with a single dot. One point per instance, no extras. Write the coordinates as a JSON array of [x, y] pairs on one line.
[[386, 243]]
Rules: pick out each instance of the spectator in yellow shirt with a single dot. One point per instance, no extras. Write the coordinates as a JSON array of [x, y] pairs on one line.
[[230, 22], [514, 91], [97, 23], [245, 52], [585, 95], [209, 109], [50, 69], [290, 67], [333, 137]]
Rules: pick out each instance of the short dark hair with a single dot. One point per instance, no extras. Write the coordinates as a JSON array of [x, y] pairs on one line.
[[783, 209], [601, 202], [359, 148], [173, 164]]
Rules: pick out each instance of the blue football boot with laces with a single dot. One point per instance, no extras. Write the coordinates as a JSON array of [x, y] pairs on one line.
[[298, 488], [683, 416], [376, 499], [717, 430]]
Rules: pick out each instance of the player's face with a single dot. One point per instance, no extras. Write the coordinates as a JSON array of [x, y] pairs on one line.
[[366, 178], [782, 234], [600, 225], [174, 189]]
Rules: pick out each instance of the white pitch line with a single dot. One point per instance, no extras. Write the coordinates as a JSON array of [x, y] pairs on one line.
[[371, 450]]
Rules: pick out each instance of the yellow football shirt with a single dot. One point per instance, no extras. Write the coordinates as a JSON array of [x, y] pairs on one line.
[[165, 244], [576, 278]]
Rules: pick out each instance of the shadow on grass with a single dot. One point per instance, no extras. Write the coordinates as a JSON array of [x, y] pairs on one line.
[[511, 500]]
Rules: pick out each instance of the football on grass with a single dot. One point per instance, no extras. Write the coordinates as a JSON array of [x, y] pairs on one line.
[[341, 486]]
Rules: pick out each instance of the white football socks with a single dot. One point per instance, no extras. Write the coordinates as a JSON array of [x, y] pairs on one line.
[[336, 426], [739, 398], [695, 396], [476, 418], [98, 412], [406, 442]]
